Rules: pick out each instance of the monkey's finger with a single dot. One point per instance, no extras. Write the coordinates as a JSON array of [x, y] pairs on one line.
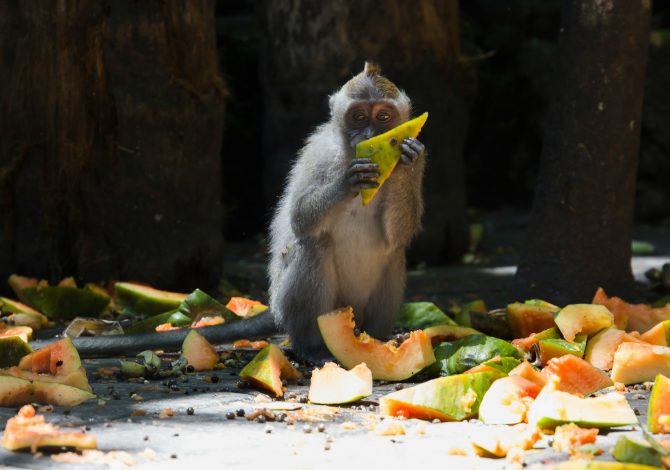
[[366, 176], [408, 152], [364, 166], [417, 146], [363, 161], [366, 185]]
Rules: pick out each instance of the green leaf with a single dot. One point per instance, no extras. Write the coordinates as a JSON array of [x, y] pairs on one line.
[[420, 315], [469, 352]]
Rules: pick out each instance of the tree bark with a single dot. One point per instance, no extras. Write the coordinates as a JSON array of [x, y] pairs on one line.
[[579, 236], [111, 123], [311, 48]]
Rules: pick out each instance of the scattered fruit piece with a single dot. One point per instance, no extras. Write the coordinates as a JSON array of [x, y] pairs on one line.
[[12, 349], [569, 437], [458, 356], [268, 367], [498, 441], [20, 314], [208, 321], [641, 317], [658, 414], [526, 343], [631, 450], [138, 299], [601, 347], [527, 371], [576, 376], [15, 391], [198, 352], [528, 318], [28, 430], [553, 407], [553, 348], [245, 343], [639, 362], [441, 333], [332, 385], [18, 283], [508, 400], [245, 308], [452, 398], [23, 332], [584, 319], [658, 335], [386, 361], [66, 302], [384, 150]]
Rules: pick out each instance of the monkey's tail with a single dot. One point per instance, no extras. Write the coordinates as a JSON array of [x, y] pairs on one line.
[[262, 325]]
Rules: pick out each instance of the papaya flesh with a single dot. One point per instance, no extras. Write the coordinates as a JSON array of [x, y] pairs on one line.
[[198, 352], [576, 376], [15, 391], [267, 368], [30, 431], [638, 362], [583, 319], [525, 319], [658, 415], [384, 150], [332, 385]]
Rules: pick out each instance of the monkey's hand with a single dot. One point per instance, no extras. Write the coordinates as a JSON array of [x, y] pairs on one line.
[[411, 150], [361, 174]]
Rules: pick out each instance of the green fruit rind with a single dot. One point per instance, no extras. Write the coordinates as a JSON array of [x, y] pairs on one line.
[[15, 391], [631, 450], [552, 408], [585, 319], [554, 347], [66, 302], [138, 299], [12, 349], [455, 397]]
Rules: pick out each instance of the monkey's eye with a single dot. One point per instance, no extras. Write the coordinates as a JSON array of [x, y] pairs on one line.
[[383, 116], [359, 116]]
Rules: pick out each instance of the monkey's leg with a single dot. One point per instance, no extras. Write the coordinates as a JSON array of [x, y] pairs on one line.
[[307, 290], [386, 300]]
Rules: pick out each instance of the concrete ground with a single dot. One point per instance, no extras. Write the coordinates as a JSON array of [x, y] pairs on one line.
[[132, 431]]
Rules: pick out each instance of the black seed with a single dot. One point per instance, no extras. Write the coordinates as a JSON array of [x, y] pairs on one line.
[[307, 429], [214, 379], [399, 386], [190, 369], [189, 410], [281, 417], [59, 363], [321, 427], [261, 419], [173, 456], [230, 415], [146, 438], [240, 413]]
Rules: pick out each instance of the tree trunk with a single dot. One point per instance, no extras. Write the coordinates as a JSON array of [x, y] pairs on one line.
[[579, 237], [312, 48], [111, 123]]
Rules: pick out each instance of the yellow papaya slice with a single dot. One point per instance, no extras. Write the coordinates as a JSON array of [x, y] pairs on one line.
[[384, 150]]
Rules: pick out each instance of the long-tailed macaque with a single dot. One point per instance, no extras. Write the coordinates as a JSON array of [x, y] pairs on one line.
[[328, 250]]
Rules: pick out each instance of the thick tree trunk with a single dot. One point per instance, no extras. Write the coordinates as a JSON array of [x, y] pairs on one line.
[[111, 123], [580, 229], [311, 48]]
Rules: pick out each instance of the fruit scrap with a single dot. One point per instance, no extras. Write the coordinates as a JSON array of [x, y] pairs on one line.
[[508, 400], [569, 437], [530, 317], [19, 314], [267, 368], [576, 376], [245, 308], [245, 343], [583, 319], [638, 362], [451, 398], [386, 361], [332, 385], [28, 430], [199, 352], [641, 317], [498, 441], [658, 415]]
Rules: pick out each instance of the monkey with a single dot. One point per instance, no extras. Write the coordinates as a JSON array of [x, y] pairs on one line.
[[327, 250]]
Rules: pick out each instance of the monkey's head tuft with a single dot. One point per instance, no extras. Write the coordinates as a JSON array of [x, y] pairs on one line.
[[369, 86]]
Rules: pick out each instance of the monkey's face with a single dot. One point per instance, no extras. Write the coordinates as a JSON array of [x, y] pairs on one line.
[[366, 119]]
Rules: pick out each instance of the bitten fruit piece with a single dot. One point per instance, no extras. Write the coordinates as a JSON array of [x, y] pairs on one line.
[[198, 352], [332, 385], [267, 368], [658, 416], [638, 362], [386, 361], [384, 150]]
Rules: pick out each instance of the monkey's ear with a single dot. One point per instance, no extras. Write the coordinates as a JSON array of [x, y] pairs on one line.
[[371, 69]]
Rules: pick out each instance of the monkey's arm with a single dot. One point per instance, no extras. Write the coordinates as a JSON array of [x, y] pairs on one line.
[[320, 197], [262, 325]]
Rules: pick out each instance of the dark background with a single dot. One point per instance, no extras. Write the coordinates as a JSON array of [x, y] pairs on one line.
[[135, 137]]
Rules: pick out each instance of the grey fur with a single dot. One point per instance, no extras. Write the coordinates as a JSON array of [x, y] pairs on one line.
[[327, 250]]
